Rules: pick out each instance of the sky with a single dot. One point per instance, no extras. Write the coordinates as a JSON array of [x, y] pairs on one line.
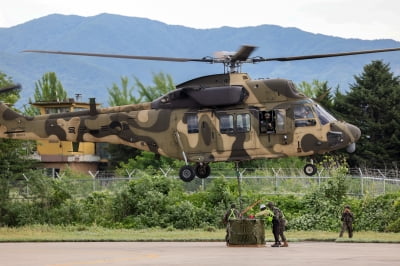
[[363, 19]]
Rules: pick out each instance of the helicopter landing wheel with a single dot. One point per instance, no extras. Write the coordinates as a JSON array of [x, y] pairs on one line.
[[310, 169], [186, 173], [202, 170]]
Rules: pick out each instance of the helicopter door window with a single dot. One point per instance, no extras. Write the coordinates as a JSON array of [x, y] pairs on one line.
[[226, 124], [243, 123], [193, 123], [304, 116], [267, 123], [280, 116]]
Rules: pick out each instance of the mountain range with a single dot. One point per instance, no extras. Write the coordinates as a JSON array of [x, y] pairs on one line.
[[108, 33]]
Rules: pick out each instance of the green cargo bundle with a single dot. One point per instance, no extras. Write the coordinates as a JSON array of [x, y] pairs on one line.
[[246, 232]]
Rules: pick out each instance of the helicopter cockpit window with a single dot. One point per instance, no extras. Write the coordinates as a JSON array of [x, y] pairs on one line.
[[304, 116], [226, 123], [323, 115], [243, 123], [193, 123]]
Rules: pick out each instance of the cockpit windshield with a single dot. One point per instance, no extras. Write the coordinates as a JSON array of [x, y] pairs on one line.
[[323, 115], [304, 116]]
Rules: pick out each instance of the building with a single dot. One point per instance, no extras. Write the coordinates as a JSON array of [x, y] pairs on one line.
[[78, 156]]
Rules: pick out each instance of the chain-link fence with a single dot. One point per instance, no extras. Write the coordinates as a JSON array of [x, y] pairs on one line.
[[270, 181], [359, 181]]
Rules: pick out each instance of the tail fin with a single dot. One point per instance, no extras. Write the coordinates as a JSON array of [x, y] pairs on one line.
[[11, 121]]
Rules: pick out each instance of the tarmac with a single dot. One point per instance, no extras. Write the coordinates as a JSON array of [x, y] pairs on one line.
[[196, 253]]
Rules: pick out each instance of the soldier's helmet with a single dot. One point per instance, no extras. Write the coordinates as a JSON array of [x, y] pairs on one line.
[[263, 207], [347, 207], [270, 204]]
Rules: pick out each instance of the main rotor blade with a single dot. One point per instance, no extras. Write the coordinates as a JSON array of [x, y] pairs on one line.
[[10, 88], [243, 53], [315, 56], [240, 56], [153, 58]]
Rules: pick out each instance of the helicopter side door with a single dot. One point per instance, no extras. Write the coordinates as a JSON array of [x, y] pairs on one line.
[[272, 125], [272, 121]]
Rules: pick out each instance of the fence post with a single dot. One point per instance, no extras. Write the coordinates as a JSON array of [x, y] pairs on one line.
[[27, 184], [165, 173], [384, 181], [319, 177], [130, 173], [276, 179], [362, 181], [94, 178]]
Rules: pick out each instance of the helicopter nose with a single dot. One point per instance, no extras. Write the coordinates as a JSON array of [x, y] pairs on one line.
[[355, 132], [354, 135]]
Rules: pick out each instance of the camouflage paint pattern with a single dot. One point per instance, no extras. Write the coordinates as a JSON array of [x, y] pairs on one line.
[[162, 126]]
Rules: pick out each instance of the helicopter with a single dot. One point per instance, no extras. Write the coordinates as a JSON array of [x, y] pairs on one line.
[[213, 118]]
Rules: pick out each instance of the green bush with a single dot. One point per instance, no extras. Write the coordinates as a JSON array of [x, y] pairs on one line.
[[96, 208], [321, 208], [377, 213], [393, 226], [157, 201], [183, 215]]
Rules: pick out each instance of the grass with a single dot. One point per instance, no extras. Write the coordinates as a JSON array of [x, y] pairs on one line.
[[44, 233]]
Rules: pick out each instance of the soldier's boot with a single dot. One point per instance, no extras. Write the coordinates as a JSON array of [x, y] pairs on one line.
[[276, 245], [285, 244]]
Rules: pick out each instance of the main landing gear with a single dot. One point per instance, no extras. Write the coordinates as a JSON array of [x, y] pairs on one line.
[[187, 173]]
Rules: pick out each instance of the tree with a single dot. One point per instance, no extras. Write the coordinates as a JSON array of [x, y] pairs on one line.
[[372, 104], [47, 89], [163, 84], [319, 91], [125, 94], [13, 159], [122, 95], [10, 97], [10, 149]]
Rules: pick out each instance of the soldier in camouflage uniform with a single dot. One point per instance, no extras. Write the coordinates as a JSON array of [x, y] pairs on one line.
[[278, 226], [347, 222], [264, 213]]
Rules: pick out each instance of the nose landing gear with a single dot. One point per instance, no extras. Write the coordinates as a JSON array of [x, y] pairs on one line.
[[310, 169]]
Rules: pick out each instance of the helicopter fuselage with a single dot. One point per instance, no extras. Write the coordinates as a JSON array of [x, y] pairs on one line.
[[225, 117]]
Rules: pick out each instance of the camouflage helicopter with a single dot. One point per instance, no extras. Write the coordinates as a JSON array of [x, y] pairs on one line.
[[221, 117]]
